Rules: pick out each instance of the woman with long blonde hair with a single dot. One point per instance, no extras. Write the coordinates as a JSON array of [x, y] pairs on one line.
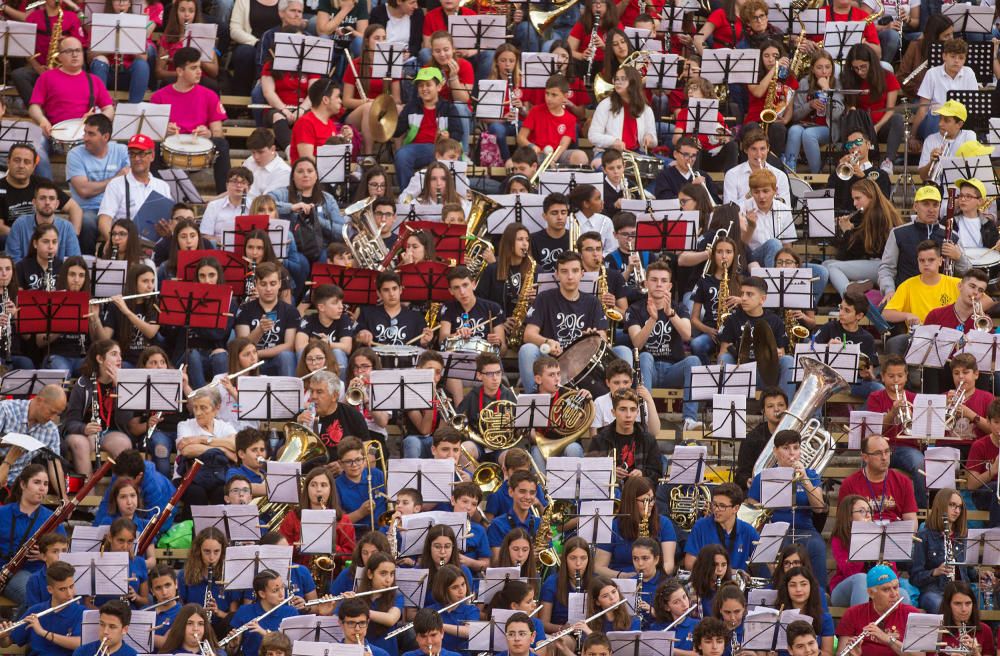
[[861, 236]]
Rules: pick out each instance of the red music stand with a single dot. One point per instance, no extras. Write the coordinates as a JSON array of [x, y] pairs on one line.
[[449, 240], [42, 312], [233, 267], [243, 225], [665, 235], [425, 282], [195, 305], [358, 284]]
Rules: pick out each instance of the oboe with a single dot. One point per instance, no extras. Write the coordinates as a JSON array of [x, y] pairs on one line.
[[8, 328]]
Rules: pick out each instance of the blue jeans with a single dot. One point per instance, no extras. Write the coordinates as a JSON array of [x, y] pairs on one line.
[[411, 157], [298, 268], [574, 450], [135, 76], [417, 446], [282, 364], [890, 41], [528, 353], [341, 359], [63, 362], [203, 366], [703, 346], [930, 600], [808, 139], [671, 374], [501, 130], [525, 36], [910, 460], [88, 232], [928, 126], [766, 252], [17, 590], [44, 167], [159, 447], [785, 365]]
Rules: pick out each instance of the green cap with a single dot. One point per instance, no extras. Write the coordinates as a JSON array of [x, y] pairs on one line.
[[429, 73]]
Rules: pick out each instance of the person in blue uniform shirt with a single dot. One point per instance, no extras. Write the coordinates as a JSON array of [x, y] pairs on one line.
[[615, 559], [711, 638], [51, 546], [603, 594], [723, 527], [55, 634], [113, 621], [523, 486], [596, 644], [801, 639], [163, 586], [300, 580], [269, 589], [729, 605], [670, 603], [429, 629], [251, 445], [121, 539], [156, 489], [451, 586], [352, 485], [466, 497], [575, 569], [500, 502], [190, 630], [19, 521], [520, 634], [646, 557], [520, 596], [354, 620]]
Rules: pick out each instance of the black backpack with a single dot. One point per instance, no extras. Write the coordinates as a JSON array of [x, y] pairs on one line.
[[308, 235]]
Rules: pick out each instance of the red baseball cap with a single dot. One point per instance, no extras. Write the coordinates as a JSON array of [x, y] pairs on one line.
[[141, 142]]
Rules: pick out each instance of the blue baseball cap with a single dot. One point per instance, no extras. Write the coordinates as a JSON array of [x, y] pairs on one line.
[[879, 575]]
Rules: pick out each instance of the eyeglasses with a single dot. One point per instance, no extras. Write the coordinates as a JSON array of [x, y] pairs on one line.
[[139, 153], [353, 461], [384, 215], [71, 51], [785, 263], [687, 155], [885, 453], [759, 17], [491, 373], [316, 358], [377, 185], [629, 235], [968, 197], [721, 506], [956, 506], [120, 233], [351, 624], [864, 512], [239, 490], [519, 635], [362, 367]]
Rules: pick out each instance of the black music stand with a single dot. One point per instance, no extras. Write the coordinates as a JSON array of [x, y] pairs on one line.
[[516, 208], [181, 186], [17, 39], [333, 161], [29, 382], [729, 66], [662, 71], [878, 542], [978, 104], [387, 62], [117, 35], [979, 59], [536, 68], [843, 358], [970, 19], [780, 14], [641, 643], [980, 168], [787, 289], [322, 531], [239, 523], [840, 37], [402, 389], [478, 32], [702, 117], [412, 585], [244, 563], [270, 398], [712, 379]]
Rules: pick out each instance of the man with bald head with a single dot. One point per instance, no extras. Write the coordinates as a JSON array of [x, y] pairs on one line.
[[36, 418], [64, 93], [889, 491]]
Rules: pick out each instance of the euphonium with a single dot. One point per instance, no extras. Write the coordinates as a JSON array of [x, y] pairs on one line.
[[52, 60], [613, 314], [476, 247], [517, 317], [366, 246], [301, 445]]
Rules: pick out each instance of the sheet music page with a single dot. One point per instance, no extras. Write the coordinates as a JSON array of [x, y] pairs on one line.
[[862, 424], [865, 541], [928, 415], [244, 563], [931, 346], [761, 597], [88, 538], [576, 607], [981, 345], [240, 523], [285, 400], [940, 463], [26, 442], [776, 487], [312, 628], [303, 648], [647, 643], [991, 547], [319, 531], [494, 580], [139, 637], [99, 574], [899, 541], [433, 478], [921, 633], [282, 479], [141, 390], [491, 99], [771, 538], [486, 637], [594, 476], [687, 465], [595, 521], [402, 389], [729, 417], [760, 628], [412, 585], [627, 588]]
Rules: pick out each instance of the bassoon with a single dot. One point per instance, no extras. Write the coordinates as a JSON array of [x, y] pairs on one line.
[[149, 535]]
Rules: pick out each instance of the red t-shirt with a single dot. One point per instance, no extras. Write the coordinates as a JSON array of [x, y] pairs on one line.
[[291, 528], [723, 37], [876, 106], [880, 402], [681, 128], [427, 132], [856, 618], [979, 403], [981, 452], [466, 76], [755, 105], [436, 21], [290, 89], [578, 94], [373, 88], [547, 129], [869, 34], [654, 8], [945, 316], [583, 35], [890, 498], [309, 129]]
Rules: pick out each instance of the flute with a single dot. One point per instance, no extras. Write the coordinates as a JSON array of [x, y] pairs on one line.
[[670, 627], [566, 632], [246, 627], [43, 613], [162, 603], [332, 599], [408, 626], [99, 301], [260, 363]]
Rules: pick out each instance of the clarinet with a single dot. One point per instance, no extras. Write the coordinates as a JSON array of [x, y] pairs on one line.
[[592, 48], [50, 275], [243, 204], [95, 414], [8, 329], [510, 96], [209, 584], [249, 286], [114, 252]]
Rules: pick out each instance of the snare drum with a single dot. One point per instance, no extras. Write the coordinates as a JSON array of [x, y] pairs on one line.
[[66, 134], [397, 356], [188, 152], [471, 345], [582, 364], [986, 259]]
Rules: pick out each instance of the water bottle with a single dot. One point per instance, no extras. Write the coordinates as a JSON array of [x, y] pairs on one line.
[[821, 112]]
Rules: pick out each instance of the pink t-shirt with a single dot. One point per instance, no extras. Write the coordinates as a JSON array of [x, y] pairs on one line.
[[63, 96], [70, 27], [199, 106]]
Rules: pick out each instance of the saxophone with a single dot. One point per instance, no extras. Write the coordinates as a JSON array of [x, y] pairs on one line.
[[52, 59], [769, 114], [644, 522], [795, 331], [722, 310], [613, 314], [546, 555], [520, 313]]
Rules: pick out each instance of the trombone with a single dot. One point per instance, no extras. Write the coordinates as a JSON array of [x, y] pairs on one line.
[[380, 457]]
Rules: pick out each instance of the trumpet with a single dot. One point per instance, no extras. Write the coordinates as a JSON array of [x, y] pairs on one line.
[[357, 392], [936, 166], [640, 273], [103, 649], [906, 413], [980, 320], [845, 170], [951, 411]]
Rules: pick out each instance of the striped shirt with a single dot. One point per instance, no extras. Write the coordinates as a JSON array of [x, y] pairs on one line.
[[14, 419]]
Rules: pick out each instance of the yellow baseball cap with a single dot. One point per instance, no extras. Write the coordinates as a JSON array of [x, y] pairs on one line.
[[972, 182], [927, 192], [952, 108], [973, 149]]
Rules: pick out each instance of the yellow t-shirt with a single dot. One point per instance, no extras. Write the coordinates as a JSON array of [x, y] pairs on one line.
[[916, 297]]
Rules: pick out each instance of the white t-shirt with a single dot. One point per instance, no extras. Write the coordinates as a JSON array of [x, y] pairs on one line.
[[970, 233]]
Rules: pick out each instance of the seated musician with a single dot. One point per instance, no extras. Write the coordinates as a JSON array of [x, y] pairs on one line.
[[983, 465], [591, 249], [355, 616], [858, 148], [637, 450], [770, 220], [626, 260], [623, 120], [808, 498], [614, 180], [975, 229], [946, 140], [885, 637], [960, 608], [682, 171], [945, 530], [466, 497], [429, 629], [951, 75], [710, 637], [773, 405], [801, 638], [500, 501], [155, 488], [330, 324], [35, 417], [520, 634], [269, 591], [332, 419], [125, 195], [890, 492], [550, 127], [51, 546], [57, 633], [736, 185], [194, 109], [390, 323], [163, 586], [742, 324], [619, 375], [233, 203], [469, 317], [269, 322], [251, 449], [356, 481], [115, 617], [724, 528], [659, 329], [19, 185], [489, 373], [64, 93], [899, 259], [425, 120], [523, 488], [552, 241], [587, 205], [446, 150], [419, 426], [846, 329], [970, 417], [269, 170]]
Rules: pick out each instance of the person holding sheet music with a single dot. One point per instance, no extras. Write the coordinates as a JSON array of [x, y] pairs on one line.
[[55, 634], [864, 71], [125, 196], [115, 617], [269, 591], [885, 638], [181, 14], [807, 498], [355, 618], [930, 571], [889, 491], [734, 536], [846, 329], [623, 120], [736, 185], [960, 608]]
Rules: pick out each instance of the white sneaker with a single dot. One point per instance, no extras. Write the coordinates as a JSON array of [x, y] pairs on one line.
[[693, 425], [886, 166]]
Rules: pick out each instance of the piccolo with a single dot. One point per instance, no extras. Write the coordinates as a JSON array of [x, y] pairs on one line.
[[246, 627], [680, 619], [332, 599], [45, 612], [100, 301], [162, 603], [408, 626], [259, 363], [566, 632]]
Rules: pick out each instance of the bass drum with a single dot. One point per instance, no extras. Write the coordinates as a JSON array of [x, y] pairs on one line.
[[582, 364], [986, 259]]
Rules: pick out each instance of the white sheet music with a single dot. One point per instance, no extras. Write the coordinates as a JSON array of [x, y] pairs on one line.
[[18, 37], [627, 588], [931, 346], [282, 480], [140, 118], [142, 390], [821, 221], [412, 585], [302, 648], [576, 606], [729, 417], [982, 346], [487, 637], [413, 529], [138, 637], [402, 389], [201, 36], [270, 398], [99, 573], [312, 628], [842, 358], [940, 465], [771, 537], [921, 632], [319, 531], [928, 415], [594, 474], [88, 538], [776, 489], [316, 52], [244, 563], [532, 411], [866, 541], [494, 580], [595, 521], [862, 424], [491, 99], [433, 478], [516, 208], [764, 628], [26, 442], [687, 465], [239, 523]]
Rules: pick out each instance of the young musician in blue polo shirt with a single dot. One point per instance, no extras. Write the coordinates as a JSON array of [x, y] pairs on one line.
[[115, 616], [354, 619], [163, 587], [352, 484], [723, 527], [251, 446], [55, 634], [429, 627], [465, 497], [523, 485], [520, 634], [500, 502], [269, 590]]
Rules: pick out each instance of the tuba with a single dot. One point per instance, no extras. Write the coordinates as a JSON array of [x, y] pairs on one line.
[[476, 246], [515, 332], [366, 246], [301, 445]]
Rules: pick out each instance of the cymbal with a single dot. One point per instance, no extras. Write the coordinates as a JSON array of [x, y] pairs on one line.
[[383, 117]]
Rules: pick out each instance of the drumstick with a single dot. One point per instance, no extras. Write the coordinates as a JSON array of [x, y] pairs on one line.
[[415, 339]]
